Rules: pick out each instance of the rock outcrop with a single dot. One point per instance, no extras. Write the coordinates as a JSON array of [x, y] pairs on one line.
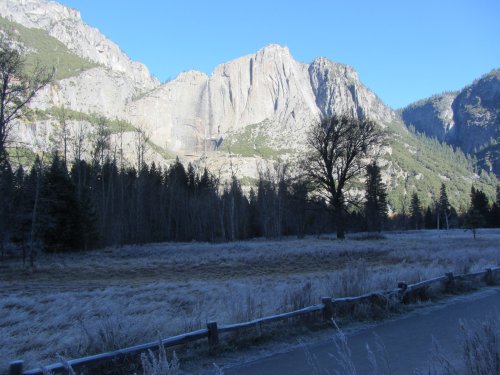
[[476, 111], [175, 114], [338, 90], [433, 116], [97, 90]]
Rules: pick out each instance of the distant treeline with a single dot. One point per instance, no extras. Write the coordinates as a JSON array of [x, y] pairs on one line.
[[97, 204]]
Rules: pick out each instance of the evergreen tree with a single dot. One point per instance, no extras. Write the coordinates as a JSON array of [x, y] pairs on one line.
[[177, 189], [22, 199], [495, 211], [473, 220], [478, 211], [81, 178], [191, 178], [479, 203], [376, 198], [444, 208], [61, 222], [6, 208], [429, 221], [298, 207], [35, 183], [415, 211], [90, 236], [254, 230]]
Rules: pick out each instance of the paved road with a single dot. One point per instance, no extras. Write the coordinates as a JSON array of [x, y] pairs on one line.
[[407, 340]]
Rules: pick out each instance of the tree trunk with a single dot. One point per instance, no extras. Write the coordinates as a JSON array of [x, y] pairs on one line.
[[221, 221], [340, 227], [339, 221], [33, 221]]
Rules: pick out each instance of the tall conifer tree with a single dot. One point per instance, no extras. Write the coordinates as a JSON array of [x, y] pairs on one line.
[[376, 198]]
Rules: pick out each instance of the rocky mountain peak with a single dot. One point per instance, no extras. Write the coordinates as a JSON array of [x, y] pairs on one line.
[[338, 91], [322, 64], [38, 13], [190, 75], [66, 25], [272, 51]]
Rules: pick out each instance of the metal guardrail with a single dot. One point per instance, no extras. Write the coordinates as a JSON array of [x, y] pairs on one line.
[[328, 307]]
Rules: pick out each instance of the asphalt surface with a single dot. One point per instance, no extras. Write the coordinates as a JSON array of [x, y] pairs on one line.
[[408, 341]]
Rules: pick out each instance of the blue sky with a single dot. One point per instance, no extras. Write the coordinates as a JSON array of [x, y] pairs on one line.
[[403, 50]]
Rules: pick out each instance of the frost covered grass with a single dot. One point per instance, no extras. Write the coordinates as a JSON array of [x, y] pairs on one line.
[[80, 304]]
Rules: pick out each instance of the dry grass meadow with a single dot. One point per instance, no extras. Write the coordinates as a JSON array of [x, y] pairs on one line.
[[84, 303]]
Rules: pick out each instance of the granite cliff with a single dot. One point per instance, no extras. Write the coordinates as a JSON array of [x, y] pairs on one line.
[[248, 111], [468, 119], [266, 87]]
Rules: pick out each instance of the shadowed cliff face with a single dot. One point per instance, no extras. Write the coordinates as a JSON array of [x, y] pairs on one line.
[[433, 116], [476, 111], [469, 119]]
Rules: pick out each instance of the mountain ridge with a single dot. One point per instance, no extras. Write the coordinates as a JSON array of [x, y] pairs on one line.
[[248, 111], [269, 85], [468, 119], [66, 25]]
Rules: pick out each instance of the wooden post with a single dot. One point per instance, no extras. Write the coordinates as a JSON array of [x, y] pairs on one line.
[[450, 280], [489, 278], [403, 298], [213, 338], [16, 368], [327, 308]]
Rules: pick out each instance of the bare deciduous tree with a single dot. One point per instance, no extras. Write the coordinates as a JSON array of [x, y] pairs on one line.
[[62, 135], [17, 88], [141, 140], [101, 142], [339, 151]]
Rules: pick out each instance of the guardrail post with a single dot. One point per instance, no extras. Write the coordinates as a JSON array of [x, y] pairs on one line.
[[327, 308], [402, 294], [450, 280], [213, 338], [488, 277], [16, 368]]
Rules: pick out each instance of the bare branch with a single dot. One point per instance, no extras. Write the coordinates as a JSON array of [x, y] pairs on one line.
[[339, 148]]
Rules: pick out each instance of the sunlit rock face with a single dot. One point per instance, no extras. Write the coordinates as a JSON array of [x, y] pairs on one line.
[[267, 86], [195, 111], [66, 25]]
